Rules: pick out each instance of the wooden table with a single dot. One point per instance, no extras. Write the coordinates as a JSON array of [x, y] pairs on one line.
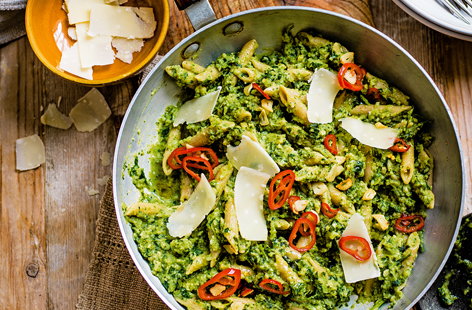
[[47, 218]]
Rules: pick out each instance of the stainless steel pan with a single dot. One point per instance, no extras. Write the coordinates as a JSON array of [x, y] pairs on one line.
[[374, 50]]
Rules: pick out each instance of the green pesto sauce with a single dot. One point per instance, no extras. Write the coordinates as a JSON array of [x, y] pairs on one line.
[[459, 269], [183, 264]]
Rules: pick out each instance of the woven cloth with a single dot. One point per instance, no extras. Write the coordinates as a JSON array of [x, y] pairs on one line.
[[112, 281], [12, 20]]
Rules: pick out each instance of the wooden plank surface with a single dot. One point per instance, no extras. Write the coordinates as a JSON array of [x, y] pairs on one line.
[[47, 219]]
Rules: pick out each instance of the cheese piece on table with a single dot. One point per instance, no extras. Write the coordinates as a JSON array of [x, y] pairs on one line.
[[248, 201], [369, 134], [70, 62], [251, 154], [197, 110], [93, 51], [192, 212], [78, 11], [30, 153], [126, 47], [54, 118], [90, 111], [324, 87], [355, 270], [122, 21]]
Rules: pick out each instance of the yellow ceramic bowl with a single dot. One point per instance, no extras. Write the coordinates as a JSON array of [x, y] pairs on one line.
[[46, 27]]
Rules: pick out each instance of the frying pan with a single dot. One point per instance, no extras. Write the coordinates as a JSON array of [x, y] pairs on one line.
[[374, 50]]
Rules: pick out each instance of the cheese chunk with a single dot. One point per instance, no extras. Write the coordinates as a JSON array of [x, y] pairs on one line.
[[324, 87], [72, 33], [368, 134], [197, 110], [93, 51], [125, 22], [248, 200], [192, 212], [70, 62], [90, 111], [126, 47], [252, 155], [78, 11], [355, 270], [30, 153], [54, 118], [115, 2]]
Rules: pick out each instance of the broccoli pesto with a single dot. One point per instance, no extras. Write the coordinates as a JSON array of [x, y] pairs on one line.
[[459, 269], [380, 184]]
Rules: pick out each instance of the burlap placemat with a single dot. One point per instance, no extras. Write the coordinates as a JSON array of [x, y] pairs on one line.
[[112, 281]]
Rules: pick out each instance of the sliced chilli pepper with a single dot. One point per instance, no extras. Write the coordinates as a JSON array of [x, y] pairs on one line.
[[373, 94], [409, 223], [273, 287], [229, 278], [350, 68], [399, 146], [291, 201], [312, 216], [175, 158], [357, 247], [197, 163], [246, 291], [330, 144], [328, 211], [279, 192], [310, 232], [259, 89]]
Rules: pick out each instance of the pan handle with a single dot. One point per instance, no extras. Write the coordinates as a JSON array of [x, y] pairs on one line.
[[199, 12]]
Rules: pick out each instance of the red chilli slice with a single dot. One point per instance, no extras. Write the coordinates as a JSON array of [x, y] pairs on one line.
[[357, 247], [359, 72], [399, 146], [259, 89], [330, 144], [268, 285], [310, 232], [279, 192], [409, 223], [197, 163], [230, 278]]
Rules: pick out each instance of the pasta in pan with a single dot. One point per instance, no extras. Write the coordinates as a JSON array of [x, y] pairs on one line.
[[251, 205]]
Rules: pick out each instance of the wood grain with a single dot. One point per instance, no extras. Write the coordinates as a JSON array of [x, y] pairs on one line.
[[23, 266], [444, 58], [47, 219]]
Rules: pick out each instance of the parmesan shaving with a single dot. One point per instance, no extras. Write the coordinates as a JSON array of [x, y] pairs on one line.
[[105, 159], [197, 110], [354, 270], [90, 111], [324, 87], [248, 200], [93, 51], [252, 155], [79, 10], [134, 23], [30, 153], [54, 118], [126, 47], [70, 62], [192, 212], [369, 134]]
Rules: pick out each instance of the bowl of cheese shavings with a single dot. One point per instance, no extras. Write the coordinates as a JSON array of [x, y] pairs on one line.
[[96, 42]]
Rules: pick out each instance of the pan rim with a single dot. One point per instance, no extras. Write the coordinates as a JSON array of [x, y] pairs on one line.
[[117, 170]]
